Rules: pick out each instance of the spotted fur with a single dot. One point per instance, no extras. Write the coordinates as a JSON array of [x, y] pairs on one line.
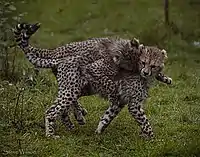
[[71, 87], [133, 90]]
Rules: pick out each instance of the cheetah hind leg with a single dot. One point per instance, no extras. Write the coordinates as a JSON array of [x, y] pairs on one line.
[[83, 110], [65, 118], [79, 113]]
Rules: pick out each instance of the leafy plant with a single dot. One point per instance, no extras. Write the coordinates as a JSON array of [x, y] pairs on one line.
[[9, 16]]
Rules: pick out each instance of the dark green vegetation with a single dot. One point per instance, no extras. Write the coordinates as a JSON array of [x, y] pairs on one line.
[[174, 110]]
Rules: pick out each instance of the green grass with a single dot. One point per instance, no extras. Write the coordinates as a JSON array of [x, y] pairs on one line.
[[174, 111]]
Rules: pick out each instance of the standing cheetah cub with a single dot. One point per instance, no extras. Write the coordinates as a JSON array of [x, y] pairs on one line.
[[72, 60], [133, 90]]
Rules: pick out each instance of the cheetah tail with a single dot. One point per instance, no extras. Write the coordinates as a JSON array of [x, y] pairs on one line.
[[33, 28], [19, 28], [23, 42], [22, 33], [24, 28]]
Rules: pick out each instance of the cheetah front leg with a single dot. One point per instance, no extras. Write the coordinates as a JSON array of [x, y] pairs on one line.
[[108, 116], [135, 109], [163, 78], [115, 107]]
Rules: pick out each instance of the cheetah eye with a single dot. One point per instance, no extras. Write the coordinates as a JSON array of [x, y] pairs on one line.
[[143, 63], [153, 66]]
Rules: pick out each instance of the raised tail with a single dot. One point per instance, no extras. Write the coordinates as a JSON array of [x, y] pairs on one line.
[[22, 33], [19, 28]]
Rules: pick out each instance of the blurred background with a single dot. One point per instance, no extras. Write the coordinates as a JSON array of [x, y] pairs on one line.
[[26, 92]]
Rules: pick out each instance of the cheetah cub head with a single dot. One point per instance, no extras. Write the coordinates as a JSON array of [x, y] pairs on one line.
[[151, 60]]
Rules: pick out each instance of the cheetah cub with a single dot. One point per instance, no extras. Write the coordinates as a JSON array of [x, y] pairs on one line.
[[133, 90]]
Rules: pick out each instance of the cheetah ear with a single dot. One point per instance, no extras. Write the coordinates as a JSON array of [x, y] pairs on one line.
[[135, 42], [164, 52], [141, 46]]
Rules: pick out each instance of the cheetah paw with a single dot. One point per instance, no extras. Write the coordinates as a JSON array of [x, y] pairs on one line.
[[70, 127], [146, 136], [81, 121], [98, 131], [169, 80], [53, 136], [84, 112]]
